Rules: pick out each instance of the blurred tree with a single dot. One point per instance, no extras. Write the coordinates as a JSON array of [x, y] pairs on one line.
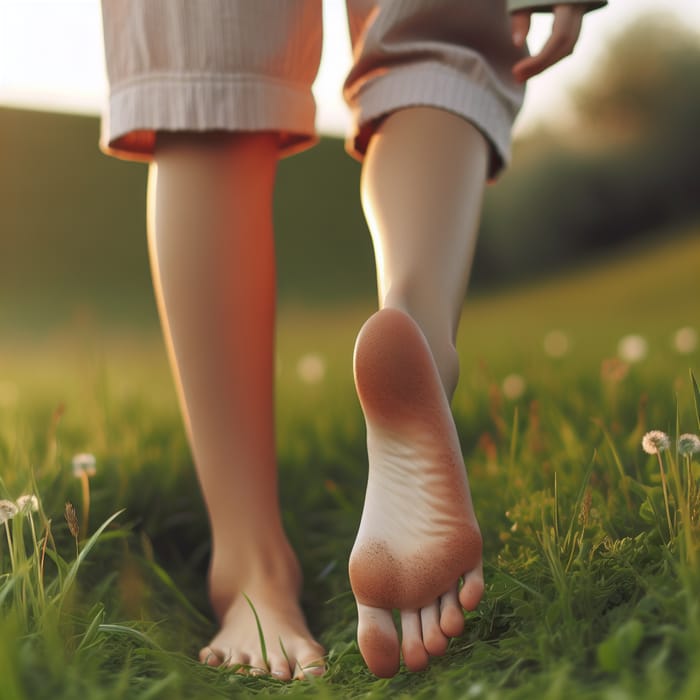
[[648, 78], [626, 168]]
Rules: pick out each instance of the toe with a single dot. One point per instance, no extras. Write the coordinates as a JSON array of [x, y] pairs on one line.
[[313, 669], [414, 654], [279, 667], [257, 665], [378, 640], [219, 656], [311, 664], [451, 615], [210, 657], [434, 640], [472, 589]]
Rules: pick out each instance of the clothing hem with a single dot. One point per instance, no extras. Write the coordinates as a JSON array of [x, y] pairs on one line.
[[144, 105]]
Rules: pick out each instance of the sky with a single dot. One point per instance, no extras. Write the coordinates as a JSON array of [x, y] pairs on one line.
[[51, 57]]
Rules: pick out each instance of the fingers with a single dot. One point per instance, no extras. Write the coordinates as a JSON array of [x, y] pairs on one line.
[[566, 29], [520, 27]]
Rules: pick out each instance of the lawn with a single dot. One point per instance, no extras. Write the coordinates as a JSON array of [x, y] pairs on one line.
[[593, 581]]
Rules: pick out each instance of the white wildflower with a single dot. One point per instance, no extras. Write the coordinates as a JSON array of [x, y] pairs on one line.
[[685, 340], [655, 441], [513, 386], [688, 444], [84, 463], [311, 368], [27, 503], [632, 348], [556, 344], [8, 510]]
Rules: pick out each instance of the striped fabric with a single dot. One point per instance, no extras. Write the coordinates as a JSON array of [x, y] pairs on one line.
[[248, 65]]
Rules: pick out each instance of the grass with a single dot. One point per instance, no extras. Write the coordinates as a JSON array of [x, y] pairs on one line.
[[593, 586]]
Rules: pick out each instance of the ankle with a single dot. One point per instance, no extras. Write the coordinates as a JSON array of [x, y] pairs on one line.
[[272, 569]]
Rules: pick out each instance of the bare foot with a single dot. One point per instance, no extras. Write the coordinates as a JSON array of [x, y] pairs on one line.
[[291, 651], [418, 535]]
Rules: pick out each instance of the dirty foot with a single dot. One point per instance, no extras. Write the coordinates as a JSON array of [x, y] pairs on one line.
[[418, 537]]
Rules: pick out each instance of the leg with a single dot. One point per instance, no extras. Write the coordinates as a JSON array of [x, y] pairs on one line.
[[422, 186], [212, 255]]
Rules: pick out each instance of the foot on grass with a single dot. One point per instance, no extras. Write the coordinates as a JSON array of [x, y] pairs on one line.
[[418, 537], [290, 650]]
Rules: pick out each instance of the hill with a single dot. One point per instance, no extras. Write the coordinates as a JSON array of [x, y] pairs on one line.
[[72, 221]]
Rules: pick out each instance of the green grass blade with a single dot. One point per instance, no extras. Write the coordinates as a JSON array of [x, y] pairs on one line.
[[89, 545], [93, 628], [167, 581], [514, 580], [576, 510], [263, 647], [696, 397], [624, 479], [129, 632], [6, 588]]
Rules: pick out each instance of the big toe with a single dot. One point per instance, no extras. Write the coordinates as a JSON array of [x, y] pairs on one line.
[[378, 640]]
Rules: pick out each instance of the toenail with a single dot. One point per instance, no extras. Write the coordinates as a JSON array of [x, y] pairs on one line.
[[210, 655], [315, 670]]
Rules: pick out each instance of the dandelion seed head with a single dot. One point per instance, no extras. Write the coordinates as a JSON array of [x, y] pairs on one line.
[[685, 340], [688, 444], [556, 344], [513, 386], [84, 463], [28, 503], [632, 348], [8, 510], [476, 689], [655, 441], [311, 368]]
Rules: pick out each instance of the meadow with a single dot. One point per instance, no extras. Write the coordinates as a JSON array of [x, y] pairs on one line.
[[591, 544]]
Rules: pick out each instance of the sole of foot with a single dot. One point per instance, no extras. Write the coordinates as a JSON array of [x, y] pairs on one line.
[[418, 547]]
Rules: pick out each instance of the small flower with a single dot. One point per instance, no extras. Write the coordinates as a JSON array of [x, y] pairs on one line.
[[688, 444], [632, 348], [685, 340], [27, 503], [556, 343], [311, 368], [655, 441], [84, 463], [513, 386], [8, 510]]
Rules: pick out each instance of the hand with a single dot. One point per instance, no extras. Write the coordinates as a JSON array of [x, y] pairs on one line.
[[565, 32]]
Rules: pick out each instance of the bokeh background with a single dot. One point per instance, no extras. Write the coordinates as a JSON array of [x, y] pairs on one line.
[[606, 157]]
